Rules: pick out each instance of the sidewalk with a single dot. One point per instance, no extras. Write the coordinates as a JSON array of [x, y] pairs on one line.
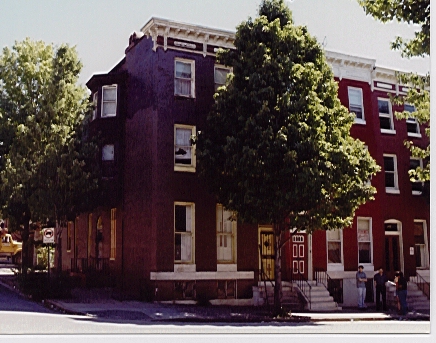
[[106, 308]]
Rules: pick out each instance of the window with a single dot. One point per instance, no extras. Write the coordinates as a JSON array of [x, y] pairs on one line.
[[226, 232], [184, 76], [70, 227], [355, 100], [184, 232], [385, 115], [416, 185], [334, 246], [113, 252], [412, 124], [94, 104], [109, 101], [220, 76], [108, 160], [184, 151], [420, 246], [391, 173], [364, 240]]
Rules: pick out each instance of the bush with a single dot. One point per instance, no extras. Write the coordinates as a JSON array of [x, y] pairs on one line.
[[39, 286]]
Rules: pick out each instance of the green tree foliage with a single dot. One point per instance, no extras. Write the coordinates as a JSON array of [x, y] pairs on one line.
[[47, 170], [276, 148], [413, 12]]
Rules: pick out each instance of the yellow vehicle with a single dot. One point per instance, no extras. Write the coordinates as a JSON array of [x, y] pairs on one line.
[[10, 250]]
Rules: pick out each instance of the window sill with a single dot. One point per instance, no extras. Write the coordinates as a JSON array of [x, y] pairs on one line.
[[183, 168], [416, 193], [107, 116], [181, 96], [360, 121], [389, 132], [415, 135], [337, 267], [392, 191]]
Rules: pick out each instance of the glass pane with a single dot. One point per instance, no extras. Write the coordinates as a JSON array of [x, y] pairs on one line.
[[414, 163], [109, 108], [177, 247], [109, 93], [419, 233], [364, 253], [389, 163], [183, 136], [180, 218], [418, 257], [183, 70], [409, 108], [333, 235], [417, 186], [385, 123], [357, 110], [334, 252], [395, 253], [219, 218], [354, 97], [383, 106], [182, 87], [186, 247], [389, 180], [221, 75], [387, 255], [391, 227], [412, 127], [108, 152]]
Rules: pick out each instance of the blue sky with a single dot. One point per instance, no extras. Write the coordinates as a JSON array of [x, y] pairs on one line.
[[101, 28]]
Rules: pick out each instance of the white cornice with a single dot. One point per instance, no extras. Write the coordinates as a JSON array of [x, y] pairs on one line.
[[343, 65], [194, 33]]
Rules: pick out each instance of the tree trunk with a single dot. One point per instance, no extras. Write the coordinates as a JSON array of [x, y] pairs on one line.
[[26, 243], [277, 271]]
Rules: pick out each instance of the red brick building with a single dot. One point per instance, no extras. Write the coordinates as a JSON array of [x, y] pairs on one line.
[[161, 236]]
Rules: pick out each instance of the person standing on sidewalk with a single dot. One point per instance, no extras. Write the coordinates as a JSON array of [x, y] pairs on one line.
[[361, 287], [402, 292], [380, 280]]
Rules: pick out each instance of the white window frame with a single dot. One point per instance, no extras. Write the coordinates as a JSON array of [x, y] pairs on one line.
[[422, 183], [225, 218], [335, 266], [426, 252], [369, 219], [180, 166], [192, 79], [387, 115], [359, 90], [94, 102], [395, 189], [103, 101], [219, 66], [412, 121], [190, 234]]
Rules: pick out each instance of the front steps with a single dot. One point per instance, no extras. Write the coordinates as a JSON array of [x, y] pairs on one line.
[[416, 300], [294, 300]]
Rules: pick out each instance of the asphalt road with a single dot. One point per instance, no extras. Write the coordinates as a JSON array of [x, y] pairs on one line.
[[20, 316]]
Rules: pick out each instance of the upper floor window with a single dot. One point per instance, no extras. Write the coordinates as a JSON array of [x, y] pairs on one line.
[[385, 115], [226, 235], [416, 185], [355, 100], [184, 151], [108, 160], [109, 101], [94, 104], [391, 173], [184, 78], [412, 124], [184, 232], [220, 75]]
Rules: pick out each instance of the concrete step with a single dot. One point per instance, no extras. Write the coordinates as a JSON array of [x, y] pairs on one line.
[[323, 307]]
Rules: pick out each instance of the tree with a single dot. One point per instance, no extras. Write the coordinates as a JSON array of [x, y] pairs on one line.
[[47, 170], [276, 148], [412, 12]]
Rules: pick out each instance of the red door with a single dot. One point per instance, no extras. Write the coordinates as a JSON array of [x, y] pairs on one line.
[[299, 254]]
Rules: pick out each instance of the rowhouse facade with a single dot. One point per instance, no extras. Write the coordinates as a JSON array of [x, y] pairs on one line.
[[162, 236]]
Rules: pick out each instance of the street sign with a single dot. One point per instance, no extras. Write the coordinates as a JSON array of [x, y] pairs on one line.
[[48, 235]]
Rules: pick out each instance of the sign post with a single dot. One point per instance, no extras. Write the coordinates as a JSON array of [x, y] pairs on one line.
[[48, 238]]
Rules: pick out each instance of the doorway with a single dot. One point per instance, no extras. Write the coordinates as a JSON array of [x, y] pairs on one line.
[[266, 252], [392, 249], [299, 255]]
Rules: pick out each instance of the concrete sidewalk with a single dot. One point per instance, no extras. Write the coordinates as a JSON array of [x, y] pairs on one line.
[[108, 308]]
